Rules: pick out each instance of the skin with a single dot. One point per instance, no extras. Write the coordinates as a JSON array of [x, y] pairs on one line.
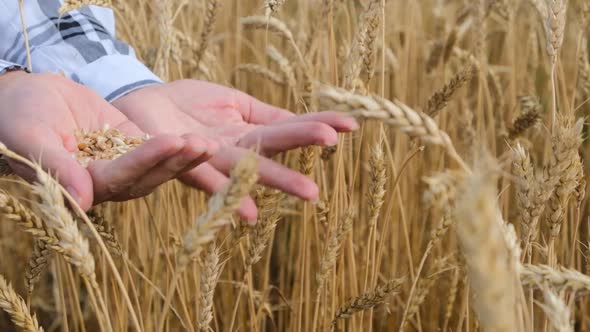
[[239, 122], [40, 114]]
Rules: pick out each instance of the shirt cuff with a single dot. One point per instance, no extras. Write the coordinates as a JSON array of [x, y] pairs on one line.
[[114, 76], [6, 66]]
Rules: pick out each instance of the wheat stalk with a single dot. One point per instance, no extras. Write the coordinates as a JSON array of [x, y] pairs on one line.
[[271, 7], [529, 117], [559, 278], [481, 235], [60, 222], [37, 263], [564, 170], [220, 209], [378, 179], [367, 300], [440, 98], [16, 308], [557, 311], [209, 276], [395, 114], [262, 71], [212, 7], [268, 212], [332, 249]]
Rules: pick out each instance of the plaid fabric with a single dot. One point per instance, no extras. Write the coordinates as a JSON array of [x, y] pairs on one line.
[[6, 66], [81, 44]]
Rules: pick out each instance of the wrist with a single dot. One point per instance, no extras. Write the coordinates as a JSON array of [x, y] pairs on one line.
[[12, 74]]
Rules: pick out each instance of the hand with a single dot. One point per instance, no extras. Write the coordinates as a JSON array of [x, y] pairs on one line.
[[39, 116], [238, 121]]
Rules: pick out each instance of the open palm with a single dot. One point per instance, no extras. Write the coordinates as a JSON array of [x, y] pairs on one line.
[[238, 121], [39, 118]]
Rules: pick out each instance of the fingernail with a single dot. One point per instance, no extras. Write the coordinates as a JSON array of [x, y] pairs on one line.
[[74, 193], [355, 125]]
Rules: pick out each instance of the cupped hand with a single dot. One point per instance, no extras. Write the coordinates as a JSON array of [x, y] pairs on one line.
[[39, 116], [239, 121]]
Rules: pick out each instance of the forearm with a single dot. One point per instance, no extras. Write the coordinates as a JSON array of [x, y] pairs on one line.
[[81, 44]]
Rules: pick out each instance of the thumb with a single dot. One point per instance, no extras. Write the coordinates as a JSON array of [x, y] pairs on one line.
[[60, 163]]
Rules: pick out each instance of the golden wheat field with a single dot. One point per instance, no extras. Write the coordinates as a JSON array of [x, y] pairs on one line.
[[459, 205]]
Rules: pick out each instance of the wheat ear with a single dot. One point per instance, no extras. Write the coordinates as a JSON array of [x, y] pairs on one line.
[[367, 300], [16, 308], [395, 114], [481, 235], [220, 209], [210, 273], [211, 9]]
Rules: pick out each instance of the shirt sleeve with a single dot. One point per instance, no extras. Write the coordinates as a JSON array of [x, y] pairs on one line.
[[81, 44], [6, 66]]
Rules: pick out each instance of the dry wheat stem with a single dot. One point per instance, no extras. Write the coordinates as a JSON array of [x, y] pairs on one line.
[[11, 154]]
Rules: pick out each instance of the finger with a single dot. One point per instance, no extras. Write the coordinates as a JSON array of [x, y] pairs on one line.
[[278, 138], [207, 178], [113, 177], [256, 112], [195, 151], [45, 147], [129, 128], [271, 174], [340, 122]]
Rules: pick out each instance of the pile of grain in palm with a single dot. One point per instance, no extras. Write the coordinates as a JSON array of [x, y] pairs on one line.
[[105, 144]]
